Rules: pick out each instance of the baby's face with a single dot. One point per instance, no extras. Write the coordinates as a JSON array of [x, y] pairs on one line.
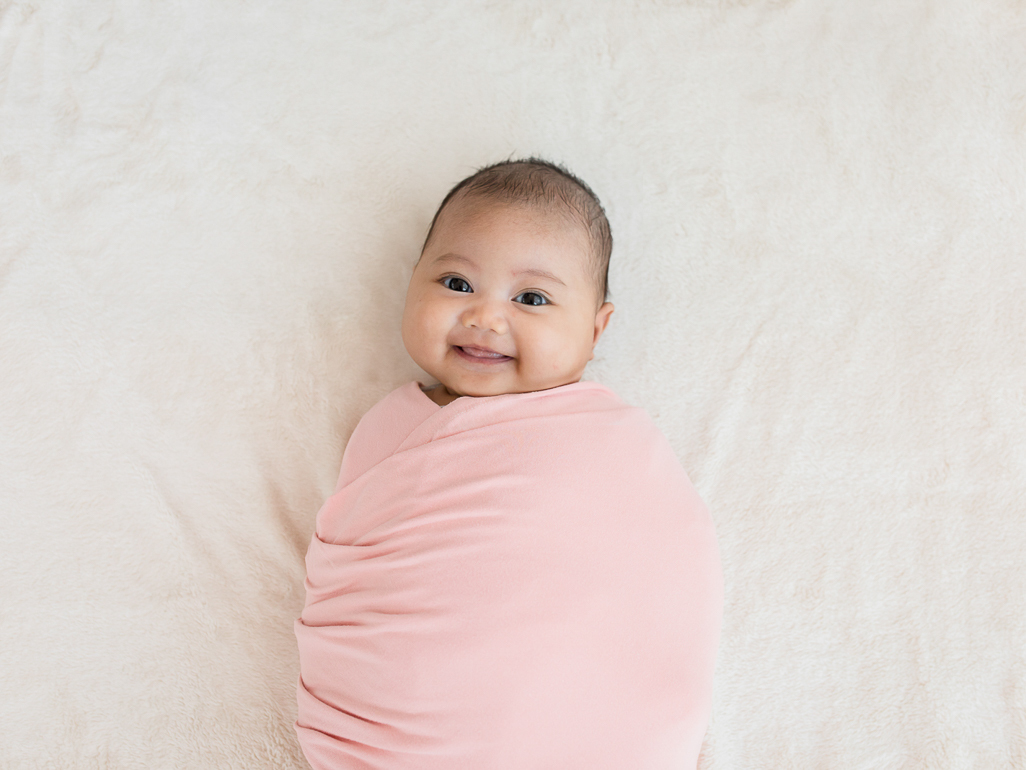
[[503, 300]]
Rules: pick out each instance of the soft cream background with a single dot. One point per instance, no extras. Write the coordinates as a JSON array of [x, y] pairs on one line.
[[208, 212]]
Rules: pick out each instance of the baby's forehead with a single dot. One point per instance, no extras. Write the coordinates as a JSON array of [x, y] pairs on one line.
[[556, 218]]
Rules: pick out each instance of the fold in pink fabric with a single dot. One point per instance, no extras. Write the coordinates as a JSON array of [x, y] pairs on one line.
[[518, 581]]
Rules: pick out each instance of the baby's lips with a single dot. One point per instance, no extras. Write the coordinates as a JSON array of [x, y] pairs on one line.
[[479, 352]]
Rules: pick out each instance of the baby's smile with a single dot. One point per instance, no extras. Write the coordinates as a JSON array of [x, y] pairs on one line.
[[478, 355]]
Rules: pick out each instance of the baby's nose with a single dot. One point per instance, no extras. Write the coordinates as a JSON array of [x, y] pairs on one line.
[[486, 315]]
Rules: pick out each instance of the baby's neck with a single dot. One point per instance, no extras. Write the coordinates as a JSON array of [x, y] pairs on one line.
[[440, 395]]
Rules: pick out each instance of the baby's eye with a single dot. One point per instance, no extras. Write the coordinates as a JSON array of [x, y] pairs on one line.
[[455, 283], [531, 298]]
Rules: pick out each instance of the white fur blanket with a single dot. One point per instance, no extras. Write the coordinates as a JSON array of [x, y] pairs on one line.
[[208, 212]]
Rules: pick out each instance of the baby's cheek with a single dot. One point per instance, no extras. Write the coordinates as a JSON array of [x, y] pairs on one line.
[[557, 359], [434, 324]]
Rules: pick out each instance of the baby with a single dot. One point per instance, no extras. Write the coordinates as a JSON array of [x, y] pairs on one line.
[[509, 293], [514, 571]]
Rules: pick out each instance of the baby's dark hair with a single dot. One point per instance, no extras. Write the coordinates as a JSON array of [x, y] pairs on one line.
[[534, 181]]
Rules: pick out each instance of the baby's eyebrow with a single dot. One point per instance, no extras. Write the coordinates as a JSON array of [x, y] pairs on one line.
[[532, 271], [540, 274], [447, 258]]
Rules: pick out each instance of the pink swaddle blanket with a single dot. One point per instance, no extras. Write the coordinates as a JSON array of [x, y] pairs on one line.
[[519, 581]]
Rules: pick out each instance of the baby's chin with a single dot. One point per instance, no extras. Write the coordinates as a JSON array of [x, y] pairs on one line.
[[484, 391], [467, 391]]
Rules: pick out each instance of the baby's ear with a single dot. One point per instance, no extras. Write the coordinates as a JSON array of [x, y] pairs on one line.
[[602, 320]]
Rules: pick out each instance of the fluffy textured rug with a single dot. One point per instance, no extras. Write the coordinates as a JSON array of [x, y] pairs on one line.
[[208, 214]]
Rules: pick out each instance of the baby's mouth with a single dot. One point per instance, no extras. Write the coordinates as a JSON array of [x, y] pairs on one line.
[[480, 355]]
